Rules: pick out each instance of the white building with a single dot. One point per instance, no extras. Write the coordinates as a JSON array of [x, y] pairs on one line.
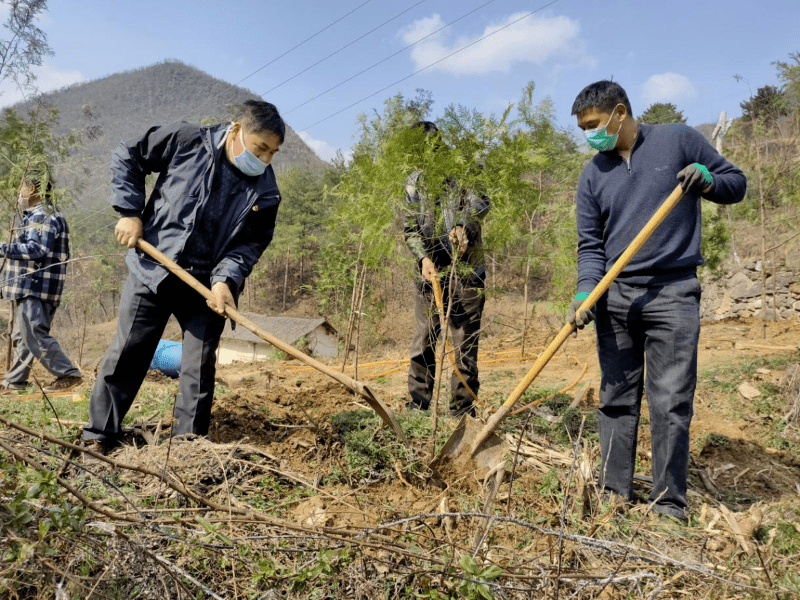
[[313, 336]]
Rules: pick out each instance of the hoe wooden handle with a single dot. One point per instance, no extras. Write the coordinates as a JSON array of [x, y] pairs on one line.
[[383, 411], [594, 296]]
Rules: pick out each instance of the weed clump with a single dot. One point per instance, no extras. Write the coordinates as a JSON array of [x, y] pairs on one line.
[[371, 452]]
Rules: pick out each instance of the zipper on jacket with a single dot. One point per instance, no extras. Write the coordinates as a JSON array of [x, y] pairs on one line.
[[629, 162]]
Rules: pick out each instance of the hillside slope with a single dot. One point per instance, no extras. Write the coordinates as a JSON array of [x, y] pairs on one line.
[[123, 105]]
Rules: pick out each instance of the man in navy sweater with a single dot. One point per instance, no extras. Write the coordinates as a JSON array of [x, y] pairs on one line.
[[649, 317]]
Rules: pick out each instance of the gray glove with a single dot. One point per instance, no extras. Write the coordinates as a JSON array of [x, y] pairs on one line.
[[579, 319], [695, 178]]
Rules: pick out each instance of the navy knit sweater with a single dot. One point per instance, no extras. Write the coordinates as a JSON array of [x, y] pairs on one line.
[[615, 200]]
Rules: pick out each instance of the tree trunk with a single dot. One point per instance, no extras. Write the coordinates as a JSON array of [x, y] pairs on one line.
[[83, 339], [525, 305], [360, 315], [302, 266], [445, 329], [285, 279], [762, 215], [350, 319]]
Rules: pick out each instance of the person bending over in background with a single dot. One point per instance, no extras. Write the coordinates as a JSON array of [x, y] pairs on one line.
[[649, 319], [34, 277], [212, 211], [438, 224]]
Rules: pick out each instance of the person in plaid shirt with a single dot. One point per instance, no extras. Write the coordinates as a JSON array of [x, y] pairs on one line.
[[33, 278]]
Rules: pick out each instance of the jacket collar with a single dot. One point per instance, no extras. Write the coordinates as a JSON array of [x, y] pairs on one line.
[[39, 208], [213, 136]]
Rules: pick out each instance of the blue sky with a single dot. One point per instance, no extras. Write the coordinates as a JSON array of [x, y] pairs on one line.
[[684, 52]]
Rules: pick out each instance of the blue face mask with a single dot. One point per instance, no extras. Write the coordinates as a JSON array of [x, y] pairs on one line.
[[247, 162], [600, 139]]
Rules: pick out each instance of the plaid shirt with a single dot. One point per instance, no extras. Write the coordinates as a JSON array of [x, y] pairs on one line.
[[36, 260]]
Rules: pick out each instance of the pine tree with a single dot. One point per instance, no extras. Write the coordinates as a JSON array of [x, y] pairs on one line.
[[662, 112]]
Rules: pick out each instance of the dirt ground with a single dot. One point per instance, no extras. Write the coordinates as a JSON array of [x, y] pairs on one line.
[[276, 443], [731, 444], [739, 458]]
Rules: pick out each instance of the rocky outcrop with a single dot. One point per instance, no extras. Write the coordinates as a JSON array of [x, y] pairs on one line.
[[738, 294]]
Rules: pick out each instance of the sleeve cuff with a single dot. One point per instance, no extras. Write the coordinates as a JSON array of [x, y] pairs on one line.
[[226, 280]]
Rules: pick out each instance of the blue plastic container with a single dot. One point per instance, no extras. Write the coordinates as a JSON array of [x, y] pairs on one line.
[[167, 358]]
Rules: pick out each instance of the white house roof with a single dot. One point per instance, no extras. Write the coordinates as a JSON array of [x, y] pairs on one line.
[[288, 329]]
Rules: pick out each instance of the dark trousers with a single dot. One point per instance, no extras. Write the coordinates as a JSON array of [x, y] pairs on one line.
[[647, 339], [465, 324], [143, 315]]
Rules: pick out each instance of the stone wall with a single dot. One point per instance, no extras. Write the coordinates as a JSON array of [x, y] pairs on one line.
[[738, 294]]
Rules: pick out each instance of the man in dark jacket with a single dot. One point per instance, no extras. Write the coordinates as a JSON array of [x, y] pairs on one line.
[[440, 224], [33, 279], [213, 212], [649, 319]]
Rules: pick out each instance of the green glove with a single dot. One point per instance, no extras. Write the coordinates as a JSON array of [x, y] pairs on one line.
[[695, 178], [580, 318]]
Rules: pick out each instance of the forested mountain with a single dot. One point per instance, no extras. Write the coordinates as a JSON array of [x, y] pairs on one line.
[[123, 105]]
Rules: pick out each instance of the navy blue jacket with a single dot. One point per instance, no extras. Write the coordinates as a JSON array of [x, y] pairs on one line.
[[187, 158], [615, 200]]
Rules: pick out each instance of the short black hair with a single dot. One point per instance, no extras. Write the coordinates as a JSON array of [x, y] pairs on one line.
[[603, 95], [427, 126], [258, 115]]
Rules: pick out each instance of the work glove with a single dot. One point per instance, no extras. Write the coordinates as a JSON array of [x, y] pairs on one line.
[[695, 178], [580, 318]]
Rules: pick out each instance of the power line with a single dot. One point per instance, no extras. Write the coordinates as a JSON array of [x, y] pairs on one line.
[[261, 68], [277, 58], [374, 29], [91, 193], [295, 47], [430, 65], [341, 83]]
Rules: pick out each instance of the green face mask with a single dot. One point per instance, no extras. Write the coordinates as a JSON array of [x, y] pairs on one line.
[[600, 139]]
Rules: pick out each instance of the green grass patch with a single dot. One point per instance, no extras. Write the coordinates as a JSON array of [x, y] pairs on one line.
[[552, 419], [787, 539], [711, 440], [371, 451], [727, 377], [275, 495], [42, 414], [771, 405]]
